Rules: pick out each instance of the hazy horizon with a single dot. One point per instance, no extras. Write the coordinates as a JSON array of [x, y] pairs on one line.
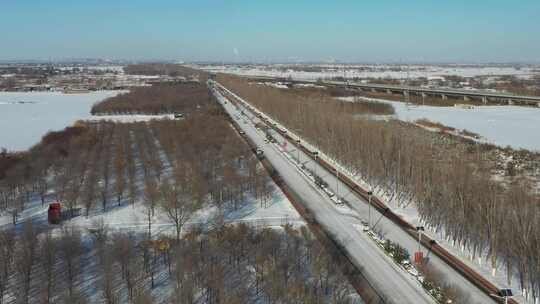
[[417, 31]]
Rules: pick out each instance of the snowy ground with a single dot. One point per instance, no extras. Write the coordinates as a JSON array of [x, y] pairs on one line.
[[101, 68], [129, 118], [278, 211], [518, 127], [26, 117], [370, 71]]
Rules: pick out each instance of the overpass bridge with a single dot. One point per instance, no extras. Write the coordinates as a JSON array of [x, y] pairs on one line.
[[443, 93]]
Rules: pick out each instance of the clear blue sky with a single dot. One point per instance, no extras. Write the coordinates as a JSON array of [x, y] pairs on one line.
[[272, 30]]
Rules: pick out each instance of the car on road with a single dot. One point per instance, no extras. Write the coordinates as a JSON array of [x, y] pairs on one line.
[[328, 192], [410, 268], [259, 153]]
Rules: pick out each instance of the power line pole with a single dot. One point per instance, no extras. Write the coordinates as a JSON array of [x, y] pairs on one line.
[[370, 194], [337, 184]]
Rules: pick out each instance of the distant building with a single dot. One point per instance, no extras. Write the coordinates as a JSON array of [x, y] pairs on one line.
[[436, 80]]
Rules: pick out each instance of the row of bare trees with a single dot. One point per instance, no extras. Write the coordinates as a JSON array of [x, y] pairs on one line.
[[228, 264], [161, 69], [452, 186], [157, 99], [38, 267]]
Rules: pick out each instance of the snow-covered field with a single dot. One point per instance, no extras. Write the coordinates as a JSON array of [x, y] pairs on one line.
[[518, 127], [276, 212], [102, 68], [307, 72], [26, 117], [130, 118]]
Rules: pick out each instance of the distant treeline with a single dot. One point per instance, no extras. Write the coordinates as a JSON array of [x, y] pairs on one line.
[[53, 143], [157, 99], [311, 95], [153, 69]]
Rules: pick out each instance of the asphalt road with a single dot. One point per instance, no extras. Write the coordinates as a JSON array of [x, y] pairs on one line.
[[331, 214]]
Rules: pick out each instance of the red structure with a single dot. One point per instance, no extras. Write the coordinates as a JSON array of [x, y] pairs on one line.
[[418, 257], [55, 213]]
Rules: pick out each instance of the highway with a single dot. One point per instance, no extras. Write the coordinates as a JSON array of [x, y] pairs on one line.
[[342, 224], [387, 278], [478, 94]]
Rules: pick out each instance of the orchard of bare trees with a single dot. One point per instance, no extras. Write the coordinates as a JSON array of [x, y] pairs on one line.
[[174, 70], [171, 167], [169, 164], [453, 187], [228, 264]]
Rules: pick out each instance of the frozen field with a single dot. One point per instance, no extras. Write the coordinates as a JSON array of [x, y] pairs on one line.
[[314, 72], [130, 118], [518, 127], [26, 117]]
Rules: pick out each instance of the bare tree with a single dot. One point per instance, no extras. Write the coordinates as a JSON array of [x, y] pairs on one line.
[[151, 195], [120, 165], [178, 201], [25, 257], [105, 163], [71, 249], [105, 254], [7, 239], [125, 253], [42, 186], [48, 252]]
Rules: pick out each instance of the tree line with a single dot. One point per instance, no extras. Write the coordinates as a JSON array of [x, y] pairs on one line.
[[157, 99], [451, 185], [160, 69]]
